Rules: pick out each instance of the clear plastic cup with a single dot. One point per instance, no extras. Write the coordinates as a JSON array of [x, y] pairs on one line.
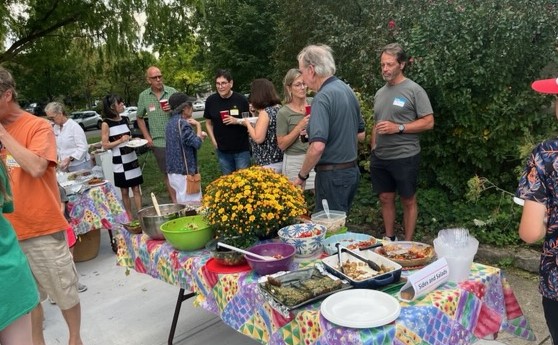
[[459, 258]]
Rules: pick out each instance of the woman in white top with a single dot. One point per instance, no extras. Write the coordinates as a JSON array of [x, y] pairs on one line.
[[71, 143]]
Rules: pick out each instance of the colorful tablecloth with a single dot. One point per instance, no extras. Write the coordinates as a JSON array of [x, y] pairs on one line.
[[452, 314], [98, 207]]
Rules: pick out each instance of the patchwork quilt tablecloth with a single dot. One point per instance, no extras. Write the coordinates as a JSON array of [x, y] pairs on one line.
[[452, 314], [98, 207]]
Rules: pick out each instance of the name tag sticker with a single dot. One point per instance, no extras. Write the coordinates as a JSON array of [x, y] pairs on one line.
[[234, 112], [151, 107], [399, 102]]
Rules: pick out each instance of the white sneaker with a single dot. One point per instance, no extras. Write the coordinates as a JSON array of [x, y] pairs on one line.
[[51, 300], [81, 287], [387, 239]]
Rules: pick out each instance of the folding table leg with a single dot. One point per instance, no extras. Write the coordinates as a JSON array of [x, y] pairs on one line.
[[182, 296], [113, 244]]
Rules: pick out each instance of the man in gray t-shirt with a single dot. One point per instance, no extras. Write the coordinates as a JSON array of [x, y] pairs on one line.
[[402, 110]]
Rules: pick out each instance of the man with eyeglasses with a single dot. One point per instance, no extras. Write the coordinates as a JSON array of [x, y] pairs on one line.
[[334, 129], [223, 112], [151, 105]]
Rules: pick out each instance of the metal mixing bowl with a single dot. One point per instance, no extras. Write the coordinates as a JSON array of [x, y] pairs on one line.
[[151, 222]]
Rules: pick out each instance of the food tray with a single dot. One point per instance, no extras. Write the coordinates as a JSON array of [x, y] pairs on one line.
[[331, 264], [346, 240], [294, 278], [393, 249]]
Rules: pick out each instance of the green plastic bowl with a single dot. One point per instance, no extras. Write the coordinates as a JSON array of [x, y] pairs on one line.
[[187, 233]]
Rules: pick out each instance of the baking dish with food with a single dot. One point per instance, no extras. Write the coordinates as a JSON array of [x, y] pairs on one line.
[[359, 274], [297, 288]]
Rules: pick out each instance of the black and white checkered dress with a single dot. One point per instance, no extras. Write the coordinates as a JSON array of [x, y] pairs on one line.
[[125, 165]]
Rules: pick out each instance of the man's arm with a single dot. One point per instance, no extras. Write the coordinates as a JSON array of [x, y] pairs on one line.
[[27, 159], [143, 128], [417, 126], [422, 124], [313, 155], [209, 127]]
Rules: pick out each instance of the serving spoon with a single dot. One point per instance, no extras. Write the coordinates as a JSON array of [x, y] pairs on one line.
[[261, 257]]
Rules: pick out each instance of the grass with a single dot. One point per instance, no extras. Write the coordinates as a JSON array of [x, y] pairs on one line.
[[364, 213], [153, 179]]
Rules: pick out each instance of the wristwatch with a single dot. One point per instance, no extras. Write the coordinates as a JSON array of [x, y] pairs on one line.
[[303, 178], [401, 128]]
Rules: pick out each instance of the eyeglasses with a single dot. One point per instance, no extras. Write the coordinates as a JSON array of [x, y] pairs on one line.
[[156, 77], [299, 85], [223, 83]]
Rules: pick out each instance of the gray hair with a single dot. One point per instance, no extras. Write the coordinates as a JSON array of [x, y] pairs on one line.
[[288, 80], [320, 56], [56, 108], [7, 82]]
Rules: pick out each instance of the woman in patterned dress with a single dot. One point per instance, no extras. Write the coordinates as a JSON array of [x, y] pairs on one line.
[[263, 137], [115, 134]]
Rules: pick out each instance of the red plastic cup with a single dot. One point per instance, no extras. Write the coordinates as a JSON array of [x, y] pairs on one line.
[[308, 108], [163, 103], [224, 113]]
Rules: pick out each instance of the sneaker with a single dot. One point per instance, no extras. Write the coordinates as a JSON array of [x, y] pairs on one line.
[[51, 300], [81, 287], [390, 239]]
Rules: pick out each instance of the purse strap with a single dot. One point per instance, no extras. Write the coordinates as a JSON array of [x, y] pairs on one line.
[[182, 147]]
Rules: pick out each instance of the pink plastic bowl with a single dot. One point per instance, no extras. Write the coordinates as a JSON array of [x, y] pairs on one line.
[[287, 251]]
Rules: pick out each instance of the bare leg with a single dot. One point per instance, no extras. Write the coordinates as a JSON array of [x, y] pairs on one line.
[[137, 199], [126, 201], [410, 213], [18, 332], [73, 320], [387, 201], [171, 191], [37, 317]]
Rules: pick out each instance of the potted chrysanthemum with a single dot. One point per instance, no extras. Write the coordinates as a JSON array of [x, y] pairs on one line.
[[252, 202]]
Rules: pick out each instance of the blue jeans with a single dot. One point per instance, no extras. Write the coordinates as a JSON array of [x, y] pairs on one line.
[[339, 187], [230, 162]]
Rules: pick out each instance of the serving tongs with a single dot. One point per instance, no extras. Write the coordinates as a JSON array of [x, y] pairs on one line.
[[369, 262]]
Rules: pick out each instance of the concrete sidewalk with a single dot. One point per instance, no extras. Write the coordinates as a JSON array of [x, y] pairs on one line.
[[135, 309]]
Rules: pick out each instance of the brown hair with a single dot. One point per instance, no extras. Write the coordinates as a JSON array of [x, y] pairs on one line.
[[263, 94]]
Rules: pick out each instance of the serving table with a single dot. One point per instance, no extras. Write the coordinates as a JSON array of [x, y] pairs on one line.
[[453, 314], [97, 207]]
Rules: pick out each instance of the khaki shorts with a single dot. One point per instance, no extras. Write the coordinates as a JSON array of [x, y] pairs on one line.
[[53, 268], [161, 158]]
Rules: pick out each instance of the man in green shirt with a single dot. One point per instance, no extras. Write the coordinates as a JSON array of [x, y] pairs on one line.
[[153, 103]]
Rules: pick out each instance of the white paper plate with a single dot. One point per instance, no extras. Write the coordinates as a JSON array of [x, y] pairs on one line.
[[137, 142], [252, 119], [69, 183], [360, 308]]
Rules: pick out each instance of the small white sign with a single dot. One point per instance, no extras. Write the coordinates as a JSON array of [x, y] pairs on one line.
[[425, 280]]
